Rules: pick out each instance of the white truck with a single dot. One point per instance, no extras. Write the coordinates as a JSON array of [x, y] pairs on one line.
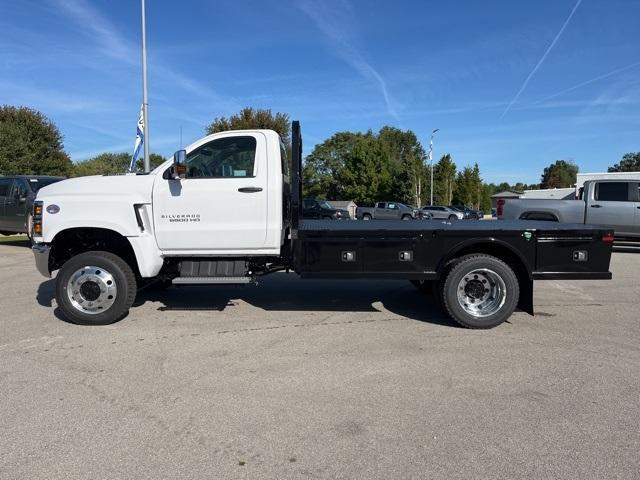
[[228, 210]]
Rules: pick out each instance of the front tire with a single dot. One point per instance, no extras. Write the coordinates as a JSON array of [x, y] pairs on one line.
[[407, 217], [366, 216], [480, 291], [452, 218], [95, 288]]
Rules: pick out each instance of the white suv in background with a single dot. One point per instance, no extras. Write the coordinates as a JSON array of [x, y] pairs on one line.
[[443, 213]]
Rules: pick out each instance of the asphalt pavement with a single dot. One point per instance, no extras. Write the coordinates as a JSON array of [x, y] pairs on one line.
[[319, 379]]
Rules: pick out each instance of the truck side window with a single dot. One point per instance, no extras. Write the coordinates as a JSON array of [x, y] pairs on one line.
[[5, 186], [222, 158], [380, 205], [612, 192], [19, 189]]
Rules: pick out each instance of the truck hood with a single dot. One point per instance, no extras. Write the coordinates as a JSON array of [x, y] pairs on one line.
[[135, 188]]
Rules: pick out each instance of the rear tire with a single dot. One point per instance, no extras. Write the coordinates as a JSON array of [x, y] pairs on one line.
[[366, 216], [95, 288], [480, 291]]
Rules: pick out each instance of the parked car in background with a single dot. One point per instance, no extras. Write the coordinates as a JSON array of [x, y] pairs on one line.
[[321, 209], [17, 194], [611, 203], [469, 213], [443, 213], [387, 211]]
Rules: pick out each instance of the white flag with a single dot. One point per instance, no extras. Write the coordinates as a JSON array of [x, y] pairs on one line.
[[139, 140]]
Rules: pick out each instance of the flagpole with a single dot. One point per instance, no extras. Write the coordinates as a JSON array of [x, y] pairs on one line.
[[431, 161], [145, 101]]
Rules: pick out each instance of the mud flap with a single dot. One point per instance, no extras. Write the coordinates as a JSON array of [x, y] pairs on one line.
[[525, 303]]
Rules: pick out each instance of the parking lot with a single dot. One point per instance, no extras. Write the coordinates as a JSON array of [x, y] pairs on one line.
[[319, 379]]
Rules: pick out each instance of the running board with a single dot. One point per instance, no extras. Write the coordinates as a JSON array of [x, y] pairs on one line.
[[211, 280]]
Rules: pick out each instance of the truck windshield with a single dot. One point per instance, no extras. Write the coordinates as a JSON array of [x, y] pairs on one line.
[[325, 204]]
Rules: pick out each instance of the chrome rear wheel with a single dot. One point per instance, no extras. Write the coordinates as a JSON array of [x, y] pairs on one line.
[[481, 292]]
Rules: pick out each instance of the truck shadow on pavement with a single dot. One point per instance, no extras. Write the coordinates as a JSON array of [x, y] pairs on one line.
[[282, 292]]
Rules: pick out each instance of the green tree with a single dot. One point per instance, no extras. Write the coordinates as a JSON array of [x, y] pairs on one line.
[[324, 167], [407, 158], [485, 201], [560, 174], [31, 144], [444, 179], [249, 118], [466, 187], [112, 163], [368, 174], [630, 163]]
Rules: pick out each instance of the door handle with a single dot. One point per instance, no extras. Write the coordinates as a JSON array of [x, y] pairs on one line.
[[596, 206], [250, 189]]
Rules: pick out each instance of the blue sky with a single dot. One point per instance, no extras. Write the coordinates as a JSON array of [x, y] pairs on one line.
[[512, 85]]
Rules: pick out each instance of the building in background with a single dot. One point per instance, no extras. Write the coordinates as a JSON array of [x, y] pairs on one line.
[[504, 195], [348, 205]]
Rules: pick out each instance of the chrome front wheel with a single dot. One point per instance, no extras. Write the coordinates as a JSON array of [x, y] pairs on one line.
[[91, 289]]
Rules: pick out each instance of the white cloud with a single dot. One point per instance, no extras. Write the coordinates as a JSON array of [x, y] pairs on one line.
[[542, 59], [335, 21]]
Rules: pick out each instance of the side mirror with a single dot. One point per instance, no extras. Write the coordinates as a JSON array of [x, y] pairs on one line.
[[179, 164]]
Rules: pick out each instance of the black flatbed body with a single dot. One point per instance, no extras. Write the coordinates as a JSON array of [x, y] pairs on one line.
[[418, 250], [424, 249]]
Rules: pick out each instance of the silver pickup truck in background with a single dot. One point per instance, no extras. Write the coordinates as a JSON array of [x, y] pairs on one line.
[[387, 211], [610, 203]]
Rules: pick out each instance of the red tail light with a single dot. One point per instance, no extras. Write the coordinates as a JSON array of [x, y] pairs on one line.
[[500, 209], [608, 238]]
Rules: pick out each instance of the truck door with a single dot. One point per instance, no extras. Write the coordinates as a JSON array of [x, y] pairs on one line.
[[222, 204], [392, 211], [15, 206], [611, 204]]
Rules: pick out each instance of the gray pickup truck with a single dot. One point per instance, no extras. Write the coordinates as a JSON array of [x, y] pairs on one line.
[[387, 211], [17, 194], [610, 203]]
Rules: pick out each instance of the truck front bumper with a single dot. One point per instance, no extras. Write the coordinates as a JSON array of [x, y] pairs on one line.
[[41, 254]]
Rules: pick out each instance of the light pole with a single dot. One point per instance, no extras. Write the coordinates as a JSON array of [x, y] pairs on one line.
[[431, 160], [145, 101]]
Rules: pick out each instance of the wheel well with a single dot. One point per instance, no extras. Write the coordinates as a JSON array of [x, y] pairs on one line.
[[506, 255], [69, 243]]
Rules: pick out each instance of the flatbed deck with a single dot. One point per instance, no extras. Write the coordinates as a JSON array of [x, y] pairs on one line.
[[483, 226]]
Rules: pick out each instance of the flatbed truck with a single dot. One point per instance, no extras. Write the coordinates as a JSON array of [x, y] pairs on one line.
[[228, 210]]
